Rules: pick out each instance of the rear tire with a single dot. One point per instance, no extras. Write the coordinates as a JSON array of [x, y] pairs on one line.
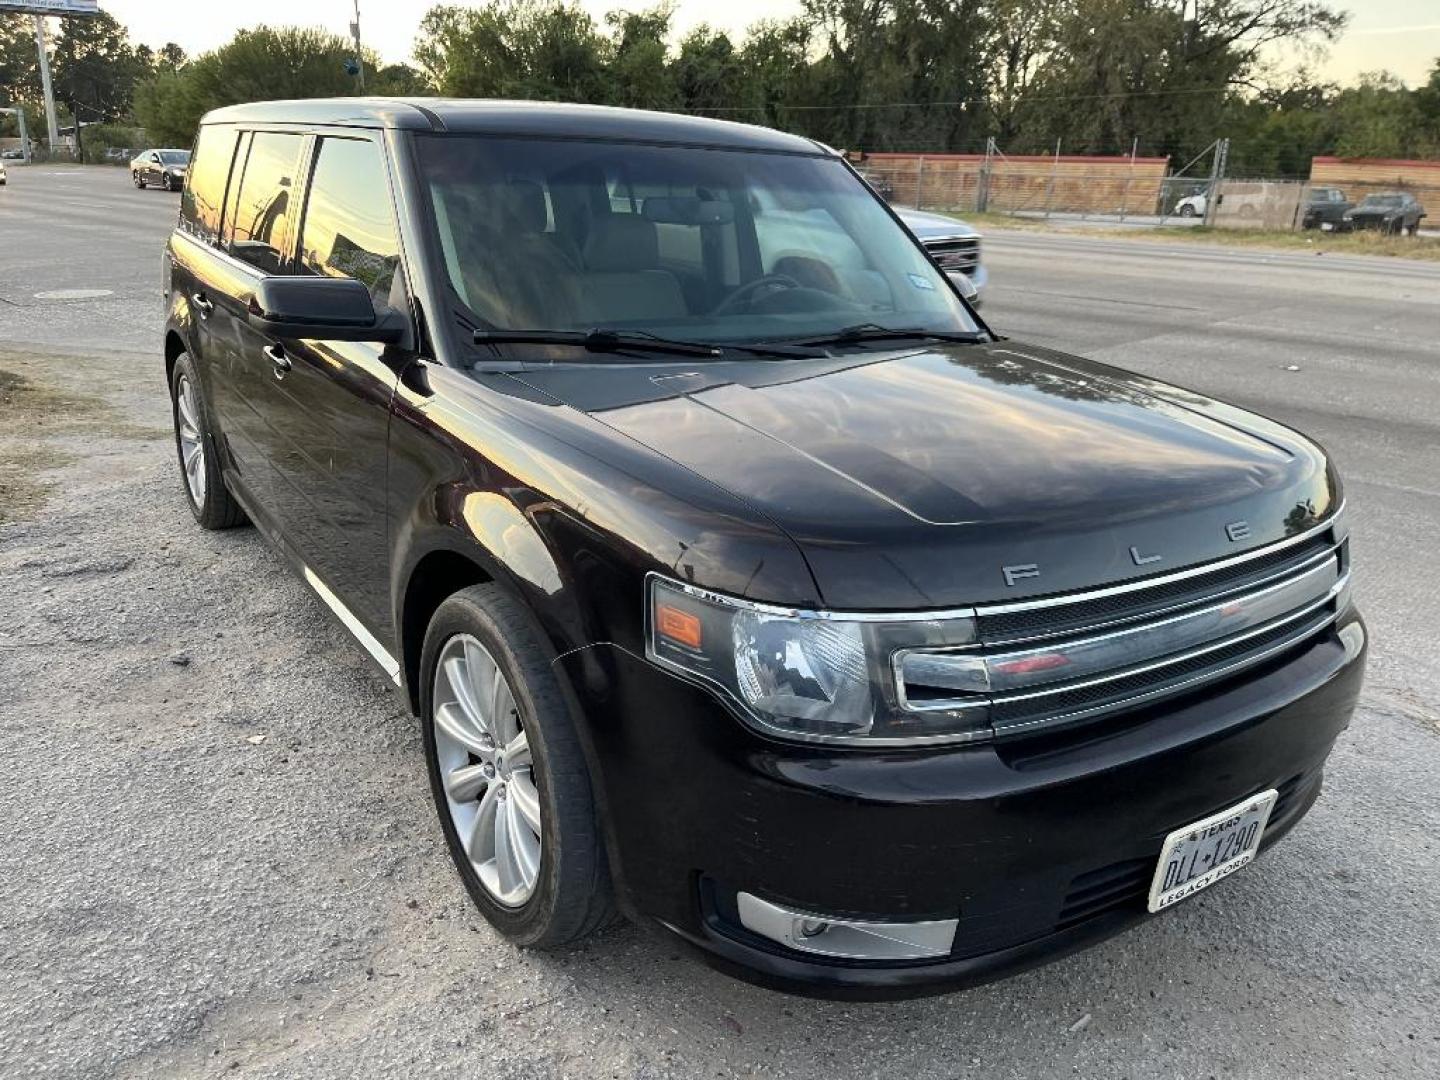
[[205, 492], [544, 887], [1187, 210]]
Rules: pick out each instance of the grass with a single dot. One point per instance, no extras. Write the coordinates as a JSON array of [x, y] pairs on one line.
[[34, 414], [1369, 242], [1426, 248]]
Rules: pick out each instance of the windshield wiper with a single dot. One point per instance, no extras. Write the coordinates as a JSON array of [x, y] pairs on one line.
[[617, 340], [602, 341], [852, 335]]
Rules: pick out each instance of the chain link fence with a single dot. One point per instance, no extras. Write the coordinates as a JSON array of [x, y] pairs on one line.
[[1149, 190]]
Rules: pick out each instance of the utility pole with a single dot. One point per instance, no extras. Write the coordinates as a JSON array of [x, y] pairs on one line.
[[982, 191], [51, 118], [1217, 174], [359, 56]]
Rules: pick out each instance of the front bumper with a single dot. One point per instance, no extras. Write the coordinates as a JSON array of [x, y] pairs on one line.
[[1040, 846]]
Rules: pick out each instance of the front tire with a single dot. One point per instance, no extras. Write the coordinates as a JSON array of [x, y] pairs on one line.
[[210, 501], [165, 182], [139, 180], [507, 773]]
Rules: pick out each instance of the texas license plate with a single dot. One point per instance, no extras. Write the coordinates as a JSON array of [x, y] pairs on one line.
[[1199, 855]]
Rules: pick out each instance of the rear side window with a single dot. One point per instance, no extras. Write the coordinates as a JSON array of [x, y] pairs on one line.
[[265, 208], [205, 187], [349, 226]]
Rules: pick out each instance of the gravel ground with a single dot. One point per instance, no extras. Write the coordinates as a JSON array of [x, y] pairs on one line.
[[182, 897]]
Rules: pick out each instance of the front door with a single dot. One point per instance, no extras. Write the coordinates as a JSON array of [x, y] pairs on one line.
[[327, 409]]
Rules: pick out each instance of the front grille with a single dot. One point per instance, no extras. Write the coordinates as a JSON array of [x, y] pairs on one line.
[[960, 254], [1057, 661], [1005, 624]]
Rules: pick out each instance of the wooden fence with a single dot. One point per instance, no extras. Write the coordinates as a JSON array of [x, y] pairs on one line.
[[1359, 177], [1009, 184]]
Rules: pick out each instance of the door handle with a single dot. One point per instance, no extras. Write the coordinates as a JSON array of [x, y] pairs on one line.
[[276, 355], [203, 305]]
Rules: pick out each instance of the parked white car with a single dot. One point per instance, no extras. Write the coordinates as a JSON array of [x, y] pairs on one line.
[[1191, 206]]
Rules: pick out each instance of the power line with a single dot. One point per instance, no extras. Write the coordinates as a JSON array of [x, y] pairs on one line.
[[962, 102]]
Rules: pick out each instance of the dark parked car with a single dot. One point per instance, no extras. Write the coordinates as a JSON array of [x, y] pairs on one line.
[[769, 597], [1325, 209], [1392, 212], [164, 168]]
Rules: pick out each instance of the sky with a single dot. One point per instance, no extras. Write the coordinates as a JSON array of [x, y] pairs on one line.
[[1402, 36]]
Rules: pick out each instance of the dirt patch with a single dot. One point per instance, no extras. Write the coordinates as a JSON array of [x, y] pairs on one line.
[[39, 417]]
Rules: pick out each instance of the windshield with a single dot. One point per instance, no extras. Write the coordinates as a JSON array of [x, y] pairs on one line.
[[175, 157], [707, 245], [1382, 200]]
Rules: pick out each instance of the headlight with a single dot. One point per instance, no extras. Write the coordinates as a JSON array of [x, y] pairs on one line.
[[808, 675]]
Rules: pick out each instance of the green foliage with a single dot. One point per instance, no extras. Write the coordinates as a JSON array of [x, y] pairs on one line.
[[94, 68], [1099, 76], [262, 64], [1378, 119]]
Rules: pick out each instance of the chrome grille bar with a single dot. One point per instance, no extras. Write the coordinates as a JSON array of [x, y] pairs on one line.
[[998, 673], [1078, 655]]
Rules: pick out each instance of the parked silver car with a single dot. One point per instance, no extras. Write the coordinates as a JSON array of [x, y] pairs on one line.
[[953, 244]]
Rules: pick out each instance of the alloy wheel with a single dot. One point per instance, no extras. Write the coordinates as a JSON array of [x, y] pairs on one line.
[[487, 770], [192, 441]]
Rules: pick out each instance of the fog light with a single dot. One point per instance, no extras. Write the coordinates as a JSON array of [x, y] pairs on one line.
[[849, 939]]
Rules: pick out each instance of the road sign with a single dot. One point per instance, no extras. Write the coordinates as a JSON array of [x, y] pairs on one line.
[[52, 7]]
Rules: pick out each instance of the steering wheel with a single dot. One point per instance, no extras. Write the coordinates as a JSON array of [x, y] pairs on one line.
[[750, 288]]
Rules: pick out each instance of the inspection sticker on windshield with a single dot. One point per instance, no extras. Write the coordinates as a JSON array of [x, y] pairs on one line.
[[1199, 855], [921, 282]]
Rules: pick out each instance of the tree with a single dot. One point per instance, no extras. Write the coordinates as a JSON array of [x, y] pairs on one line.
[[640, 76], [172, 56], [262, 64], [540, 49], [19, 72], [1378, 118], [708, 72], [94, 67]]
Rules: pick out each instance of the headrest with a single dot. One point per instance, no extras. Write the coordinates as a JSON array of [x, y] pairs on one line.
[[619, 242], [527, 203]]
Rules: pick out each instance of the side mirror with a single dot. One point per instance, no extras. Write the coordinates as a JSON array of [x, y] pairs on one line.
[[325, 309], [965, 287]]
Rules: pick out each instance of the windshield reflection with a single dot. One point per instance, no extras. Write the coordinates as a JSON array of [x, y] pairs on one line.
[[684, 243]]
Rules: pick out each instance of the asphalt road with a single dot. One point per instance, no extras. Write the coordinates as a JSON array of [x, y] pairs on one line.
[[178, 899]]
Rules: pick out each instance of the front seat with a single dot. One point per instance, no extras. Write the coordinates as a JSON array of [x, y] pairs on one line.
[[623, 281]]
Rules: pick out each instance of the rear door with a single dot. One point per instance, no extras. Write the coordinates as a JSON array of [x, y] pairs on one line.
[[327, 407], [208, 281], [258, 237]]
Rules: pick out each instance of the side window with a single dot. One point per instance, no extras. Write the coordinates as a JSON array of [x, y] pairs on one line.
[[349, 226], [205, 187], [232, 197], [264, 210]]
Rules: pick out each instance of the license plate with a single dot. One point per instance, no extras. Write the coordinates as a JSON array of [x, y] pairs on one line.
[[1199, 855], [1327, 226]]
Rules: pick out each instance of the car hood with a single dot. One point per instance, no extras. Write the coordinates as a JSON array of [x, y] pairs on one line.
[[914, 478], [923, 224]]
